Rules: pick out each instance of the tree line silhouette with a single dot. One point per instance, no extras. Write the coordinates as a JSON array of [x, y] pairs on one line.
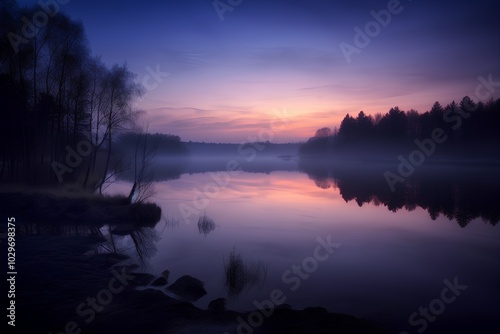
[[165, 144], [61, 106], [471, 130], [448, 192]]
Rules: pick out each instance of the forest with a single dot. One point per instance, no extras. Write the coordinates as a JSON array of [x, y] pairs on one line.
[[62, 107], [466, 130]]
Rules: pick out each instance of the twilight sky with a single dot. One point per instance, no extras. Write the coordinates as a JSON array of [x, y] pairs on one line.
[[228, 78]]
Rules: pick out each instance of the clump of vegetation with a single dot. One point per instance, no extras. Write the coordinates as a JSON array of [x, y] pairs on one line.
[[239, 275], [206, 224], [50, 210]]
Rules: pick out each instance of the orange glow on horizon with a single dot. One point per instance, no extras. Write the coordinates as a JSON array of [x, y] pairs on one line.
[[239, 117]]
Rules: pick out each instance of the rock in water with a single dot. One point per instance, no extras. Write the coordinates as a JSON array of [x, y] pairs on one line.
[[142, 279], [188, 288], [218, 304], [166, 274], [159, 281]]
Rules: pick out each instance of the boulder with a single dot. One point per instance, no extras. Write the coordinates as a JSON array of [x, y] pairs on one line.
[[160, 281], [142, 279], [218, 304], [284, 307], [166, 274], [188, 288]]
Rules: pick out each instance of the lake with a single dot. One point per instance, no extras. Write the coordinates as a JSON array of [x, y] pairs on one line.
[[384, 262]]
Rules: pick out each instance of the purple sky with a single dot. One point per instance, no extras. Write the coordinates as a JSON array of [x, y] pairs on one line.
[[228, 78]]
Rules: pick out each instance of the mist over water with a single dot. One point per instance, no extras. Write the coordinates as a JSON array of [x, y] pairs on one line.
[[441, 222]]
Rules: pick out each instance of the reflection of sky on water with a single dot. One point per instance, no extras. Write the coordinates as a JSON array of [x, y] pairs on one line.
[[388, 264]]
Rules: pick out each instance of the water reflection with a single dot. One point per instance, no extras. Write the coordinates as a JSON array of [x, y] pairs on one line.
[[240, 274], [109, 222], [386, 258], [166, 168], [206, 225], [143, 241], [460, 194]]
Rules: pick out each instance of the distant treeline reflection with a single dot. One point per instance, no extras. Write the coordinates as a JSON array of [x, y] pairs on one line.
[[460, 194]]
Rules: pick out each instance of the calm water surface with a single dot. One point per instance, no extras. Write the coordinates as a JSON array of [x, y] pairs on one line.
[[388, 263]]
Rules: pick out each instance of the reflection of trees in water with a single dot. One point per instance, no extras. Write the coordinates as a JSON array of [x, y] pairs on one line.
[[457, 194], [240, 275], [323, 179], [109, 222], [142, 241], [63, 229]]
